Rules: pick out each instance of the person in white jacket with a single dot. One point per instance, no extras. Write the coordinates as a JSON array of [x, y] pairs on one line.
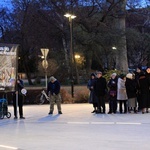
[[121, 93]]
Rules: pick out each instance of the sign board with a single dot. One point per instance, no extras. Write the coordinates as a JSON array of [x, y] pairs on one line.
[[8, 66], [45, 64], [44, 52]]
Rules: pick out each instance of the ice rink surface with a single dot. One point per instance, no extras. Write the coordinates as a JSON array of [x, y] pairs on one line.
[[76, 129]]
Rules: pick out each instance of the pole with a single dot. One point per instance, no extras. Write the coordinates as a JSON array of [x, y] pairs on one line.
[[71, 57], [16, 102], [46, 78], [45, 71], [70, 16]]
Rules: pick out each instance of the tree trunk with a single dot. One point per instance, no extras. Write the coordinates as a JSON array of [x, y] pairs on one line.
[[66, 54], [89, 55], [121, 57], [27, 73]]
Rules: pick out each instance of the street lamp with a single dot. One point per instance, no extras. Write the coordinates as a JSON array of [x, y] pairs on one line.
[[77, 56], [70, 16], [45, 63], [114, 47]]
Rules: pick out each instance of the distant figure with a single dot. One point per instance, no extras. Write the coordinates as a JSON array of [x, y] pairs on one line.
[[144, 88], [112, 84], [131, 88], [148, 74], [100, 87], [137, 75], [19, 86], [53, 90], [92, 97], [121, 93]]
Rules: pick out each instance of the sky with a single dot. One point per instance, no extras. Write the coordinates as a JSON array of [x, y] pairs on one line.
[[5, 3]]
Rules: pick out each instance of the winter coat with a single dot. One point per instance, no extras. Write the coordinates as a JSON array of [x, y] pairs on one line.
[[131, 87], [148, 77], [20, 86], [92, 98], [100, 87], [53, 88], [112, 84], [121, 90], [144, 91], [91, 84]]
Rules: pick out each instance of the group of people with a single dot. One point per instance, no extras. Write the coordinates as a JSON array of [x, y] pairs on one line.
[[130, 91]]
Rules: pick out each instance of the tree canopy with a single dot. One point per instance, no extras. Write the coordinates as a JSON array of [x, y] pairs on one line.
[[99, 26]]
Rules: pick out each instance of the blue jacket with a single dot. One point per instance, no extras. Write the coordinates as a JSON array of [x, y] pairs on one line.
[[53, 88], [90, 84]]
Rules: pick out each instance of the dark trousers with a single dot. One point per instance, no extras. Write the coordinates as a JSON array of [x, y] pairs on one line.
[[112, 104], [124, 102], [95, 105], [20, 105], [101, 104]]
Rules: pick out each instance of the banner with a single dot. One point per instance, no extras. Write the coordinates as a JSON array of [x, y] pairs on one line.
[[8, 66]]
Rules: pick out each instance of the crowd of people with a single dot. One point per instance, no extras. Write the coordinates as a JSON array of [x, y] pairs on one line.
[[126, 93]]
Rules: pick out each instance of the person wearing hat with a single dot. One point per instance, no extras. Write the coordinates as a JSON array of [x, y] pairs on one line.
[[121, 93], [100, 87], [131, 88], [53, 90], [112, 84], [92, 97]]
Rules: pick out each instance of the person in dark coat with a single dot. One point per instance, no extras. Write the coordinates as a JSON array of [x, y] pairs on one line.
[[137, 75], [53, 90], [112, 84], [92, 98], [131, 89], [19, 86], [100, 88], [145, 93], [148, 74]]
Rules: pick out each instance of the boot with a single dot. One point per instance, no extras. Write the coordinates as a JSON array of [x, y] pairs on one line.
[[59, 112], [50, 113]]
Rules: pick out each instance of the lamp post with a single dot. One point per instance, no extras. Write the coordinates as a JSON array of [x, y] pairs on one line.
[[71, 17], [77, 62], [45, 63]]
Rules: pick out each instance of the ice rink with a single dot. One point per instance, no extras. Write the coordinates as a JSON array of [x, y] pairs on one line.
[[76, 129]]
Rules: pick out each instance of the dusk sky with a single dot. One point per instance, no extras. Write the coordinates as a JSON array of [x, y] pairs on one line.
[[7, 3]]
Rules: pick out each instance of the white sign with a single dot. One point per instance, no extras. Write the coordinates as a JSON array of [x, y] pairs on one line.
[[44, 52]]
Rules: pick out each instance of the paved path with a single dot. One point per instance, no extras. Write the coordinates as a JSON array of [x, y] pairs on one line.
[[76, 129]]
